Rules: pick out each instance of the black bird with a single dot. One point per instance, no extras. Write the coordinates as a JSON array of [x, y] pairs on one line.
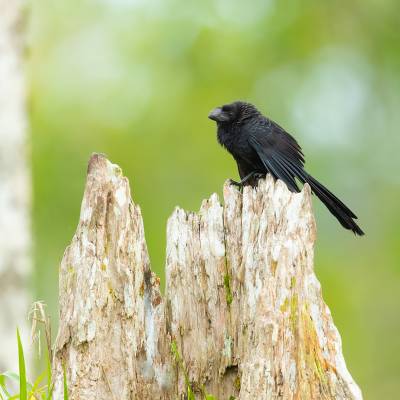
[[260, 146]]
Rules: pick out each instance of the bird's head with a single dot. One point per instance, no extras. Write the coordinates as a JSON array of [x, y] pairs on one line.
[[235, 112]]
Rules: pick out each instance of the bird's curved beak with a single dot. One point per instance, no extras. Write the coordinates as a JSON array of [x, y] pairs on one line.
[[215, 114]]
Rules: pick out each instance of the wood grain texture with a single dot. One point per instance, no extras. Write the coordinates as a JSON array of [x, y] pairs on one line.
[[243, 315]]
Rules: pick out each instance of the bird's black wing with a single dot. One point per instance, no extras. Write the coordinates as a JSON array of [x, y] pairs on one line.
[[282, 156], [279, 152]]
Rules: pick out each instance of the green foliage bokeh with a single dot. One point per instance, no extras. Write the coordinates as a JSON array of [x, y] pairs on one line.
[[136, 80]]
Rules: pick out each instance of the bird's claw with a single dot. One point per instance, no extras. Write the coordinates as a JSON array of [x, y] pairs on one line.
[[234, 183]]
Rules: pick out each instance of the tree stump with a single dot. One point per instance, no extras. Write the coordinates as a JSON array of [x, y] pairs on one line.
[[242, 317]]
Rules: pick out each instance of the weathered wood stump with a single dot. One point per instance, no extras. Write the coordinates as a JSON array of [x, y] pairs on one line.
[[243, 315]]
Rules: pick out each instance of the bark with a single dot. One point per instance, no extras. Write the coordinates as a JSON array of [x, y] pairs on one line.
[[15, 239], [243, 315]]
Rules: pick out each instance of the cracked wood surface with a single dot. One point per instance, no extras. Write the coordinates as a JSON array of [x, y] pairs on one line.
[[243, 315]]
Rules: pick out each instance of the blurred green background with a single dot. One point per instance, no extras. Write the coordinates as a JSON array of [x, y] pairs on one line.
[[135, 79]]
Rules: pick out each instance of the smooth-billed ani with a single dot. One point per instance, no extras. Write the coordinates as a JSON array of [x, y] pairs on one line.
[[260, 146]]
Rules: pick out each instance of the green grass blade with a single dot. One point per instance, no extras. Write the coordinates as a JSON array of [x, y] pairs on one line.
[[50, 393], [10, 375], [49, 387], [22, 370], [3, 388], [35, 387], [65, 385], [190, 394]]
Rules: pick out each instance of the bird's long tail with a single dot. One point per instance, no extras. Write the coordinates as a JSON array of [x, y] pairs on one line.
[[343, 214]]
